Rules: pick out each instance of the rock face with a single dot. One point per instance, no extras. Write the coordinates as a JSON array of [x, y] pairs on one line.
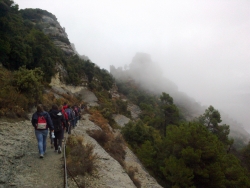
[[146, 180], [88, 97], [121, 120], [135, 110], [60, 88], [114, 92], [52, 28]]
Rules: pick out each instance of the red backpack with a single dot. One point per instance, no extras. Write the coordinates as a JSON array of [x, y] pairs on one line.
[[65, 115], [41, 122]]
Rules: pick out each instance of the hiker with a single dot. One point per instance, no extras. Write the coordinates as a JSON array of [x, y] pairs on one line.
[[65, 105], [41, 121], [73, 117], [76, 112], [66, 119], [59, 123], [68, 110]]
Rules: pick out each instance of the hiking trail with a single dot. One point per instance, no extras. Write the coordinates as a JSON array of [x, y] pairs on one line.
[[21, 166]]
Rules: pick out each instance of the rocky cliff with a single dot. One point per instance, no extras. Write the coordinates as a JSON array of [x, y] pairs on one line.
[[52, 28], [48, 23]]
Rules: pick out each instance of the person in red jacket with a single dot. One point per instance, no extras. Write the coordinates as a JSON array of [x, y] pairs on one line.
[[62, 108]]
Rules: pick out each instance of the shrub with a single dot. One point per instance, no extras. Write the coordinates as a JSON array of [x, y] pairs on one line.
[[131, 173], [13, 103], [99, 120], [80, 158], [116, 148], [114, 145], [137, 133], [100, 136]]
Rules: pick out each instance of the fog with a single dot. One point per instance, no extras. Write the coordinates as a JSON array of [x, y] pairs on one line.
[[202, 46]]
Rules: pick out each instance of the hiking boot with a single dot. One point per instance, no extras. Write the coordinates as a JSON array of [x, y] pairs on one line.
[[56, 151], [41, 156], [59, 150]]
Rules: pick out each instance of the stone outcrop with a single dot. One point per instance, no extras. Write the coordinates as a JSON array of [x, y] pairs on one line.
[[60, 88], [114, 92], [134, 110], [121, 120], [52, 28], [142, 174]]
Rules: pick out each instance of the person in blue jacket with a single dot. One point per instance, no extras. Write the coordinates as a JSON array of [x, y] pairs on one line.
[[41, 121]]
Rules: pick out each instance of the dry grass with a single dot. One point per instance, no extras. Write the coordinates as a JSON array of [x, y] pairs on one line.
[[100, 136], [80, 158], [131, 173], [99, 120], [114, 145], [49, 99], [116, 148]]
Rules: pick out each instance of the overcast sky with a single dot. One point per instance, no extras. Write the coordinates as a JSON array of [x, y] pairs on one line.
[[202, 46]]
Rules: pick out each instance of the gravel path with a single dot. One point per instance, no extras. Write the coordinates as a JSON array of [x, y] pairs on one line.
[[20, 163]]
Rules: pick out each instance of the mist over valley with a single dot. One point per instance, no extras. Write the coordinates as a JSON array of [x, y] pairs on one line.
[[149, 76]]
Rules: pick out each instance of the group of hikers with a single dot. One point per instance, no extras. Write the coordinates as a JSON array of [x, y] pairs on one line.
[[58, 120]]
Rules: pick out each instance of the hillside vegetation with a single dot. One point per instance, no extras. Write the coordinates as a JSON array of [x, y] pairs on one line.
[[179, 146], [182, 153], [29, 59]]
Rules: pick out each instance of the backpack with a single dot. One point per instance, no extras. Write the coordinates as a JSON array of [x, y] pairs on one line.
[[65, 115], [41, 122], [68, 112], [57, 123]]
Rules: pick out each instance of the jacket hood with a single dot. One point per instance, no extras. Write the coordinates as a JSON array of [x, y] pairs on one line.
[[54, 113]]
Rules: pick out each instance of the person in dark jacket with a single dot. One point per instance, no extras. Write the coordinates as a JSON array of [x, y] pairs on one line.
[[41, 131], [69, 112], [59, 123]]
